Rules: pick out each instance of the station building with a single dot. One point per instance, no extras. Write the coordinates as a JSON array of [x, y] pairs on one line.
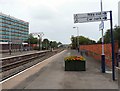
[[13, 32]]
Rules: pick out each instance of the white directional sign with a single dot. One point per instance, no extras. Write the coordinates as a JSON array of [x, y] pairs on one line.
[[101, 26], [90, 17]]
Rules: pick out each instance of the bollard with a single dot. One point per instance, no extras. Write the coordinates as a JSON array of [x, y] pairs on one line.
[[103, 63]]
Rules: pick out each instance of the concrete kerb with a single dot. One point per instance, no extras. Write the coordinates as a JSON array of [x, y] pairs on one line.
[[118, 71]]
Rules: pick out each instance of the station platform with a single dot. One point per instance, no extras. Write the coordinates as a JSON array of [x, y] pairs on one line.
[[50, 74], [3, 55]]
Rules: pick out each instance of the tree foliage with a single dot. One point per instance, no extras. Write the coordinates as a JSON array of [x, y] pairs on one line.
[[107, 36], [82, 41], [31, 39], [117, 34], [53, 44], [45, 44]]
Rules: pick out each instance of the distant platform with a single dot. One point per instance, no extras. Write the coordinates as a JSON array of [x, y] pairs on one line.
[[3, 55]]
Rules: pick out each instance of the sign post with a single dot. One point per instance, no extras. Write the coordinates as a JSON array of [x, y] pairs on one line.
[[101, 26], [90, 17], [112, 44], [94, 17], [103, 54]]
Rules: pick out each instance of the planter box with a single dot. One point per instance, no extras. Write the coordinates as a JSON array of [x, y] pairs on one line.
[[75, 65]]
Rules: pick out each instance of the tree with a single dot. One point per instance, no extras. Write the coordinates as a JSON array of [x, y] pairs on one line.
[[99, 41], [82, 41], [107, 36], [31, 39], [59, 44], [117, 34], [74, 42], [53, 44], [45, 44]]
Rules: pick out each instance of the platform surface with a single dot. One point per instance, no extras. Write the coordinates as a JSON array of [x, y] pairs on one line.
[[53, 76]]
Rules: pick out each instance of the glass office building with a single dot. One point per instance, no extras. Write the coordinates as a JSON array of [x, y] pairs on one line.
[[13, 30]]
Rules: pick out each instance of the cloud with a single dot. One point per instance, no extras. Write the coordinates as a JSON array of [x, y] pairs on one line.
[[43, 13], [55, 17]]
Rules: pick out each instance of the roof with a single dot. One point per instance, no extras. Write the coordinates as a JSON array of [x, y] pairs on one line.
[[12, 17], [7, 43]]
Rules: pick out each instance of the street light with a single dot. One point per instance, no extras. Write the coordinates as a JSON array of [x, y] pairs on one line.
[[10, 49], [29, 41], [77, 37], [39, 42], [40, 35], [103, 54]]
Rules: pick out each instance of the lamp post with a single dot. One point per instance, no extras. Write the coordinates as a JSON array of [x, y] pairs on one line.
[[77, 37], [21, 45], [29, 41], [103, 55], [10, 49], [39, 42], [40, 35]]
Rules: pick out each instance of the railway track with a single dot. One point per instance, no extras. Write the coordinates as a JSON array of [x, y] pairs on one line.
[[15, 64]]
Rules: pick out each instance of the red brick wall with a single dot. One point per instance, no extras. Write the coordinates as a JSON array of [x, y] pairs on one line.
[[95, 51]]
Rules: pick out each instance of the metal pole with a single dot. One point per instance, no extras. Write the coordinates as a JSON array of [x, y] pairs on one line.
[[10, 40], [29, 42], [112, 44], [103, 55], [78, 38], [102, 29], [39, 42], [21, 45]]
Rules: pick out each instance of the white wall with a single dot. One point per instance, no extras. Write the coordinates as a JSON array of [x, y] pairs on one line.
[[119, 13]]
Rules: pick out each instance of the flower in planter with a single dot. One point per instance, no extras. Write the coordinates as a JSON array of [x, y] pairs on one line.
[[71, 58]]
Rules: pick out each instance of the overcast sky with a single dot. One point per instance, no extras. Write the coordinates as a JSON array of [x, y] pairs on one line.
[[55, 17]]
